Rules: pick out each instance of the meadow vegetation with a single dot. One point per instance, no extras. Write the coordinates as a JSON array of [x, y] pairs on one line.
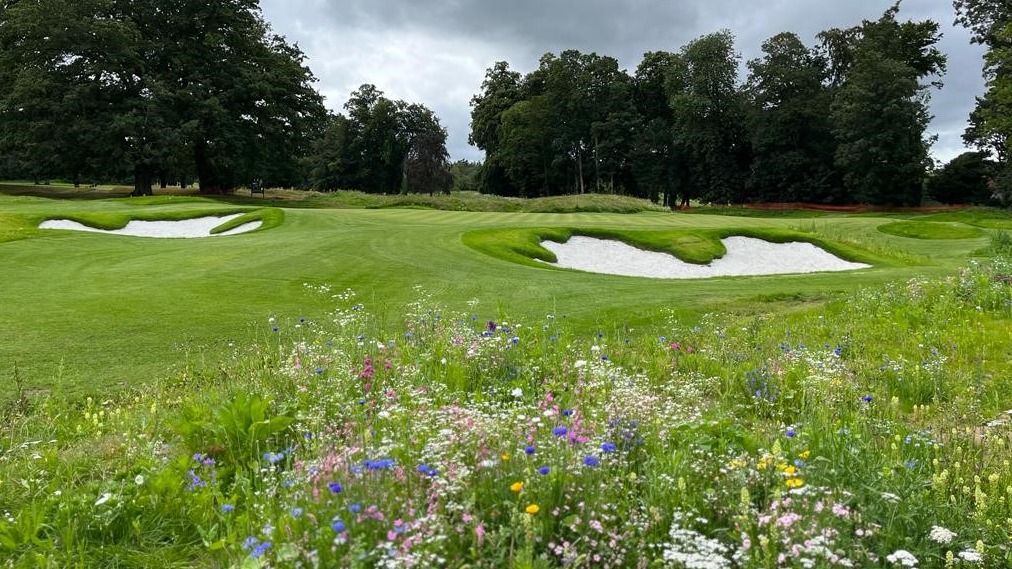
[[489, 414], [866, 431]]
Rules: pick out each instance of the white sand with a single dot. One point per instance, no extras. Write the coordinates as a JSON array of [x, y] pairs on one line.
[[745, 256], [182, 229]]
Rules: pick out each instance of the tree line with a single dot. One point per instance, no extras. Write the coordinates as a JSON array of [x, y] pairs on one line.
[[840, 122], [191, 90], [183, 90]]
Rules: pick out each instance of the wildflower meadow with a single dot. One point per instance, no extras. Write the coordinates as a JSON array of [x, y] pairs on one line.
[[869, 431]]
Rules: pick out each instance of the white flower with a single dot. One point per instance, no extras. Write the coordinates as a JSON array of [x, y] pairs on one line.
[[517, 392], [139, 480], [903, 558], [889, 497], [971, 556], [580, 363], [103, 499], [941, 535]]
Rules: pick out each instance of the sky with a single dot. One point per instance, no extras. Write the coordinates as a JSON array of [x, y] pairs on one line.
[[435, 52]]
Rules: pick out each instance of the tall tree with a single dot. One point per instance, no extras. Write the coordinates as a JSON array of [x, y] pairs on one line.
[[880, 113], [500, 90], [791, 136], [990, 127], [147, 82], [709, 121]]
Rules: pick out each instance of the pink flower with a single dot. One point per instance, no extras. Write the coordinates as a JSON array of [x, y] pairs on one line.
[[479, 531]]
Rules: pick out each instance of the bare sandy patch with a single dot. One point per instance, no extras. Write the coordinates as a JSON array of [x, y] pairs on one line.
[[181, 229], [745, 256]]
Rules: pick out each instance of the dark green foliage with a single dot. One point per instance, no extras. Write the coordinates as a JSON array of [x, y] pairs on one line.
[[842, 123], [709, 112], [789, 123], [377, 145], [153, 90], [880, 111], [967, 179], [991, 121]]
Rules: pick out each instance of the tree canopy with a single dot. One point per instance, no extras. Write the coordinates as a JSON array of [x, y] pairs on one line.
[[844, 121], [150, 88]]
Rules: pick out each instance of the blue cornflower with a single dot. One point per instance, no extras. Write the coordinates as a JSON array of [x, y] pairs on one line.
[[259, 550], [567, 412], [275, 328], [591, 461], [491, 326], [338, 526], [355, 508], [296, 512], [515, 340], [608, 447], [530, 450], [381, 464], [274, 457], [791, 433], [335, 487], [911, 464], [799, 463], [560, 431], [427, 470], [604, 358], [544, 470], [249, 543], [867, 398], [320, 370], [227, 508]]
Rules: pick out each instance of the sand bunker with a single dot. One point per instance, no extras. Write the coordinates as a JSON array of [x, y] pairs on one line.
[[182, 229], [745, 256]]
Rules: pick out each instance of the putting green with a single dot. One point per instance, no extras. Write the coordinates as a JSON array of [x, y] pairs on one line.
[[87, 313]]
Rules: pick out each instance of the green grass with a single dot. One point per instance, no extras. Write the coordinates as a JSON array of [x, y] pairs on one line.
[[97, 313], [930, 230], [180, 403]]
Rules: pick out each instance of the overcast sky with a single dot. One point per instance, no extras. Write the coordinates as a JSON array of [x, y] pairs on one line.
[[435, 52]]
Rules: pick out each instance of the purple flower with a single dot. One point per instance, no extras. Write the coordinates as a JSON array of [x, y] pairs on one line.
[[560, 431], [259, 550], [491, 326], [591, 461], [335, 487], [529, 450], [544, 470], [791, 433], [867, 398]]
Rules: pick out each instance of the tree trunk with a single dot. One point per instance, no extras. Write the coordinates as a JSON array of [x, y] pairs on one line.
[[163, 179], [142, 181], [579, 169], [207, 175]]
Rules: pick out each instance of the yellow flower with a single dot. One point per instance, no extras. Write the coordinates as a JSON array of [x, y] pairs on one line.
[[795, 483], [805, 454], [532, 509], [505, 457], [790, 471], [517, 486]]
